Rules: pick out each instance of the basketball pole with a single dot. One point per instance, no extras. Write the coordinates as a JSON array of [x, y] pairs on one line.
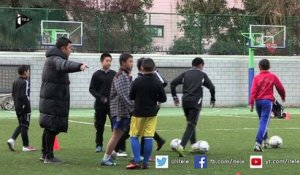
[[259, 38], [250, 66], [250, 72]]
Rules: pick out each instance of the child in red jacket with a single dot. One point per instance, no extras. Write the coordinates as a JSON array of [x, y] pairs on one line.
[[262, 95]]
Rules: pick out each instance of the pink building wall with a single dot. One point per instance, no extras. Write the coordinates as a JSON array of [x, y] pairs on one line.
[[163, 13], [235, 4], [170, 20]]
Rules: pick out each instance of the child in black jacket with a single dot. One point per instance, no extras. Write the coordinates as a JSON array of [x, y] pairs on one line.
[[21, 93]]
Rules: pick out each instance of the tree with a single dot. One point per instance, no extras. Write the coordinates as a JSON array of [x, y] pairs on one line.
[[279, 12], [116, 25], [27, 37], [122, 25], [206, 19], [181, 45], [213, 22], [274, 12], [32, 3], [201, 20]]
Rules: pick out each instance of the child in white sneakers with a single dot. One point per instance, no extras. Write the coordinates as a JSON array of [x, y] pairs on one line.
[[20, 95]]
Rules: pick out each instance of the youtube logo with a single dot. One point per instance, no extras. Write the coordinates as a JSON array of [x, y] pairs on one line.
[[256, 161]]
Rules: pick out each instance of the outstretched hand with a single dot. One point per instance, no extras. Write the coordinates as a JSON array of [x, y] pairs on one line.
[[84, 67]]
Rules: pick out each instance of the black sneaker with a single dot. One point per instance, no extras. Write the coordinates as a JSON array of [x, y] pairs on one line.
[[145, 166], [53, 160], [131, 160], [160, 144]]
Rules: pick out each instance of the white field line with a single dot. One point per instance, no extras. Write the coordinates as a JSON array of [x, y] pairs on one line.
[[174, 130], [85, 123], [234, 116]]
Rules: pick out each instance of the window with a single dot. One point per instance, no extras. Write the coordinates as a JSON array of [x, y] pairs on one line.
[[156, 31]]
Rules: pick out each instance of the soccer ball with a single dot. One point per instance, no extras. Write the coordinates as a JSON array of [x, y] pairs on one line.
[[175, 143], [275, 142], [203, 146], [195, 146]]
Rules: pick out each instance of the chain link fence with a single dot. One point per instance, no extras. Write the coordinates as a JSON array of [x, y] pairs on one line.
[[145, 32]]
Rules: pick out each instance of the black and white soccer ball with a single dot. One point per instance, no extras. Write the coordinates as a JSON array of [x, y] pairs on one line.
[[175, 143], [202, 146], [275, 142]]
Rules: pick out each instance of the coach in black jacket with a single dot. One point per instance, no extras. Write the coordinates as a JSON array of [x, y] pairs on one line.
[[192, 80], [55, 95]]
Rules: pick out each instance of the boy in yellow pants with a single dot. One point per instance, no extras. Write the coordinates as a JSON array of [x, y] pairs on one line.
[[146, 91]]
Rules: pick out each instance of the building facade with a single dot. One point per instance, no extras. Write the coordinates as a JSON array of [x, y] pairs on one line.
[[163, 20]]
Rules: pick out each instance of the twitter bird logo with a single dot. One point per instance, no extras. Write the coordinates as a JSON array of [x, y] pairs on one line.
[[162, 161]]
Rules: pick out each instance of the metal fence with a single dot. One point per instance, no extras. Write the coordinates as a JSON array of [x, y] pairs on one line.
[[145, 32], [8, 74]]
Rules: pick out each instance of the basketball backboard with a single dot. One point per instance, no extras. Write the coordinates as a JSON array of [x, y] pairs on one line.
[[264, 36], [52, 30]]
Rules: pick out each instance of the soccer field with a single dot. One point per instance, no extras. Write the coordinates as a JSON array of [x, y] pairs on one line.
[[230, 133]]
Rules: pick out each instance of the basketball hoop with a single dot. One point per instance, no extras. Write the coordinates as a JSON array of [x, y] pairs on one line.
[[51, 30], [271, 47]]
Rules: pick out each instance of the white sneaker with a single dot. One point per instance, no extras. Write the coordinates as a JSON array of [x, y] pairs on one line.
[[11, 144], [122, 154], [257, 148], [265, 144], [28, 149]]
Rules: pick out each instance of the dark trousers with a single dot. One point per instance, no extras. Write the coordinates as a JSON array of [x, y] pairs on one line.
[[191, 115], [99, 123], [47, 143], [24, 121]]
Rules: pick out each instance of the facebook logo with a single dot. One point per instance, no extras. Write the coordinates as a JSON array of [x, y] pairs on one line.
[[200, 162]]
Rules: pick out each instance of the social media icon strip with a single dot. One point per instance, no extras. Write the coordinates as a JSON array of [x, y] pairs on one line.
[[200, 162], [256, 161], [162, 161]]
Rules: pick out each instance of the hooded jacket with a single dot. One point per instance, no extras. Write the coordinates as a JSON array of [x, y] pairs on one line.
[[55, 91]]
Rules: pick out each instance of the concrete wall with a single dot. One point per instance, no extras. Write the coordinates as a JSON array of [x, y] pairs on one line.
[[228, 73]]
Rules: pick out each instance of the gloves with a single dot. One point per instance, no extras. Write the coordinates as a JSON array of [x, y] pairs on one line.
[[103, 100], [176, 100]]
